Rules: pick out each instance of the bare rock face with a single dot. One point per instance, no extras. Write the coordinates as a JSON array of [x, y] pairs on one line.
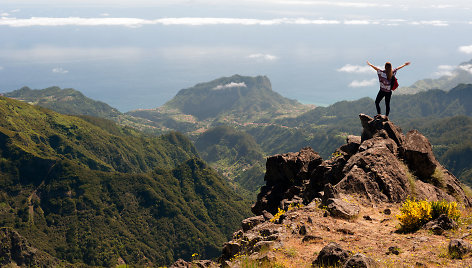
[[285, 178]]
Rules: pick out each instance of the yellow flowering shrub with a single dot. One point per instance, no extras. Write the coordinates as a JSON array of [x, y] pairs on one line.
[[282, 212], [414, 214], [443, 207]]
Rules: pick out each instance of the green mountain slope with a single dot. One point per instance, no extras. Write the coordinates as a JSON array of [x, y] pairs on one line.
[[88, 191], [235, 154], [459, 75], [65, 101]]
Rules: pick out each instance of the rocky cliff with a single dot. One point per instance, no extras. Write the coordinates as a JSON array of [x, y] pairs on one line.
[[308, 202], [381, 165]]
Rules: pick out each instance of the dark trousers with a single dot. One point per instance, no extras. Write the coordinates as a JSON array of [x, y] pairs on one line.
[[380, 96]]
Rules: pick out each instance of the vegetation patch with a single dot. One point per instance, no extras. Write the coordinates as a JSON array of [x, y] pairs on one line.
[[414, 214]]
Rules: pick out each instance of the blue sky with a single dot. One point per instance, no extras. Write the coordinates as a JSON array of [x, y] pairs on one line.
[[138, 54]]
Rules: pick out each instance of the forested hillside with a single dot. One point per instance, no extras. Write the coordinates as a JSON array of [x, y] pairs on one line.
[[88, 191]]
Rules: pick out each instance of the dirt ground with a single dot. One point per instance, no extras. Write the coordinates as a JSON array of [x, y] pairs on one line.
[[372, 233]]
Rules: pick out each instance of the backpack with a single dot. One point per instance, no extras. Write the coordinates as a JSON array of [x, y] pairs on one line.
[[393, 83]]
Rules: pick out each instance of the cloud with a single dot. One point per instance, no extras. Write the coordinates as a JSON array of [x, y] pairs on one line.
[[466, 67], [431, 22], [196, 21], [263, 57], [363, 83], [357, 22], [59, 70], [445, 70], [230, 85], [466, 49], [2, 68], [348, 68], [335, 4], [4, 14]]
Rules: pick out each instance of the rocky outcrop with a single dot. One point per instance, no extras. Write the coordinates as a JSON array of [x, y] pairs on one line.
[[16, 251], [382, 165], [286, 176]]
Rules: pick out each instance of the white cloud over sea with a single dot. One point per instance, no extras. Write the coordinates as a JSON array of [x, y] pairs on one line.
[[466, 49], [263, 57], [363, 83], [201, 21], [59, 70], [348, 68]]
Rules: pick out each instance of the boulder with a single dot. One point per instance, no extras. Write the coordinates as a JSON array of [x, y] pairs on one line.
[[340, 208], [441, 224], [249, 223], [230, 249], [352, 145], [458, 248], [418, 153], [359, 261], [331, 255], [180, 263]]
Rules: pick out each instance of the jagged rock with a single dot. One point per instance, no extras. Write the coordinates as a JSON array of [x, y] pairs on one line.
[[180, 263], [376, 173], [285, 176], [238, 234], [249, 223], [458, 248], [331, 255], [329, 192], [17, 251], [308, 238], [419, 155], [230, 249], [264, 258], [352, 144], [341, 209], [359, 261], [441, 224], [393, 250], [263, 245], [267, 215], [372, 126], [203, 263], [302, 230]]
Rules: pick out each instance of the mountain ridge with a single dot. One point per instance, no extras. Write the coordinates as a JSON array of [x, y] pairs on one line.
[[94, 193]]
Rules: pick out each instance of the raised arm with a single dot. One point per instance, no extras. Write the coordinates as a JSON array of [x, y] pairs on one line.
[[375, 68], [405, 64]]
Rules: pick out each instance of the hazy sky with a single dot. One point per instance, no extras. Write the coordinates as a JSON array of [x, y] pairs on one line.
[[138, 54]]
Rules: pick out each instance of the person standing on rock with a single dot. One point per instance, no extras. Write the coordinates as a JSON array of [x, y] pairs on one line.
[[385, 78]]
